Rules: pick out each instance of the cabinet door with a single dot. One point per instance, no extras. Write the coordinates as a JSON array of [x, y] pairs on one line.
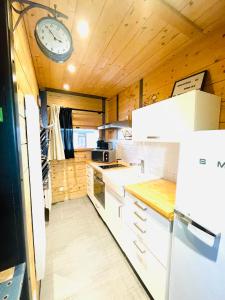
[[182, 114], [151, 122], [165, 120], [113, 208], [139, 124]]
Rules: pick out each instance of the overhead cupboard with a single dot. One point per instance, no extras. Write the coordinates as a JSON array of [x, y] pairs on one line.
[[170, 120]]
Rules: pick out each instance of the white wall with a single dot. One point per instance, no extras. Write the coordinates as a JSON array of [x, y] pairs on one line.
[[161, 159]]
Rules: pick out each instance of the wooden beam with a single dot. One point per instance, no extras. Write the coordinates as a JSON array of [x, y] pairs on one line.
[[141, 93], [73, 93], [103, 117], [173, 17], [117, 107]]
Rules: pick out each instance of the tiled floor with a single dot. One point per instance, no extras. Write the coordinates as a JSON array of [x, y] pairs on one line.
[[83, 260]]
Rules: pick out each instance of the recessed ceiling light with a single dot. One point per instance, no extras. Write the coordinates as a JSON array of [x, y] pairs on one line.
[[66, 86], [71, 68], [83, 28]]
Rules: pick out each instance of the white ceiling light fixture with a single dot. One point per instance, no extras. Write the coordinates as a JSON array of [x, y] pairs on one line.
[[71, 68], [66, 86], [83, 28]]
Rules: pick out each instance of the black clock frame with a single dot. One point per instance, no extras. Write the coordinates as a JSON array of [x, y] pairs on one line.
[[59, 58]]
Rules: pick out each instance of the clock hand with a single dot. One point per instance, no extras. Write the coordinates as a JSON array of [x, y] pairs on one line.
[[54, 36]]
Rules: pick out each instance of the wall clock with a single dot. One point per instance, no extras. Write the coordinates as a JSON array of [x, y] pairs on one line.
[[54, 39]]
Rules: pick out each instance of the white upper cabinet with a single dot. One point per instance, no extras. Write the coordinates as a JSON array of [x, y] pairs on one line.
[[169, 120]]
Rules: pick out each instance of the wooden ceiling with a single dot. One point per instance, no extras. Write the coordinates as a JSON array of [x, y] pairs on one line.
[[127, 40]]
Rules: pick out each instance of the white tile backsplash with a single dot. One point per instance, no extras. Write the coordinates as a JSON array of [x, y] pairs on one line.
[[161, 159]]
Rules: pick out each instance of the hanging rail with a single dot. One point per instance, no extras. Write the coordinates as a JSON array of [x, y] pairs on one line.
[[86, 110], [31, 4]]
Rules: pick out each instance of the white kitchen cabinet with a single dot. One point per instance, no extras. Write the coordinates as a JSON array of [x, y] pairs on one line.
[[171, 119], [153, 230], [153, 274], [113, 210], [146, 240]]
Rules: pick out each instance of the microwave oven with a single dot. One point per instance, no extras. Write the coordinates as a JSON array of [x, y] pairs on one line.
[[103, 155]]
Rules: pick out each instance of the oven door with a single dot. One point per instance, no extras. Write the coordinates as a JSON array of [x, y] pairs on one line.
[[99, 189]]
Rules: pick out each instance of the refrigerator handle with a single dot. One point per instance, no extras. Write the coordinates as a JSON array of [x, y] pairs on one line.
[[188, 220]]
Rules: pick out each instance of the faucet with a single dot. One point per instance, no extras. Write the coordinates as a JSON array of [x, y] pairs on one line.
[[141, 164]]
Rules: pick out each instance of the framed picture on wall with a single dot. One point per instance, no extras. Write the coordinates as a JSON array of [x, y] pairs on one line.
[[193, 82]]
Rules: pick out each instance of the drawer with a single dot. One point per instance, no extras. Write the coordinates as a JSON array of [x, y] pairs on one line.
[[153, 230], [133, 204], [150, 270]]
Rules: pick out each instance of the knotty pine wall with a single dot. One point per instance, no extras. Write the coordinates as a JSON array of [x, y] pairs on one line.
[[26, 85], [69, 176], [80, 118], [206, 54]]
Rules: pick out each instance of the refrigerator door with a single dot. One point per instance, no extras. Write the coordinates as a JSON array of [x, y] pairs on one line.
[[201, 179], [197, 267]]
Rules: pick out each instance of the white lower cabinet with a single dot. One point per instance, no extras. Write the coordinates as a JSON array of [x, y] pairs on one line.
[[144, 236], [113, 210], [148, 267]]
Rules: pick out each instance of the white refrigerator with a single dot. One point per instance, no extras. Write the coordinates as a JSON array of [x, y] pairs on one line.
[[198, 243]]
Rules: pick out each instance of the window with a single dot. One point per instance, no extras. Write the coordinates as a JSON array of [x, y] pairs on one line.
[[85, 138]]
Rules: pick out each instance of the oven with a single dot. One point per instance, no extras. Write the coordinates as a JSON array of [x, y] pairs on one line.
[[99, 188]]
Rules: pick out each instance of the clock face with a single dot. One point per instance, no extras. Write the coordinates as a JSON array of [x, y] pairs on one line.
[[54, 39]]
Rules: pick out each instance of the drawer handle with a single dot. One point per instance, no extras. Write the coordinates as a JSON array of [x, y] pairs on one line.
[[140, 217], [119, 211], [139, 206], [152, 137], [139, 228], [138, 247]]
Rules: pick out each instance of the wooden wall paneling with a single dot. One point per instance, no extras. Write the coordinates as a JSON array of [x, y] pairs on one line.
[[211, 18], [69, 177], [86, 119], [194, 57], [26, 84], [23, 60], [147, 33], [132, 23], [119, 32], [111, 110], [128, 101], [111, 116], [91, 11], [166, 42], [78, 102], [109, 20]]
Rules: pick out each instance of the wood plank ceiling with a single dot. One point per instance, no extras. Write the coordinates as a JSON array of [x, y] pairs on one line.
[[127, 40]]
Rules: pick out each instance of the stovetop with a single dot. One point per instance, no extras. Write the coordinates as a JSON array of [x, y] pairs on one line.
[[111, 166]]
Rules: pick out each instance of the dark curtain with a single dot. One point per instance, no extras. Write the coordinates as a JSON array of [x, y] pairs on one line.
[[65, 117]]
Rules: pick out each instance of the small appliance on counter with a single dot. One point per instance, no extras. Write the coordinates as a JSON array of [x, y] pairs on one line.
[[101, 144], [103, 155]]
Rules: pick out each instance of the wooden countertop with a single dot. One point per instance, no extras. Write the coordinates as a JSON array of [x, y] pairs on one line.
[[158, 194]]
